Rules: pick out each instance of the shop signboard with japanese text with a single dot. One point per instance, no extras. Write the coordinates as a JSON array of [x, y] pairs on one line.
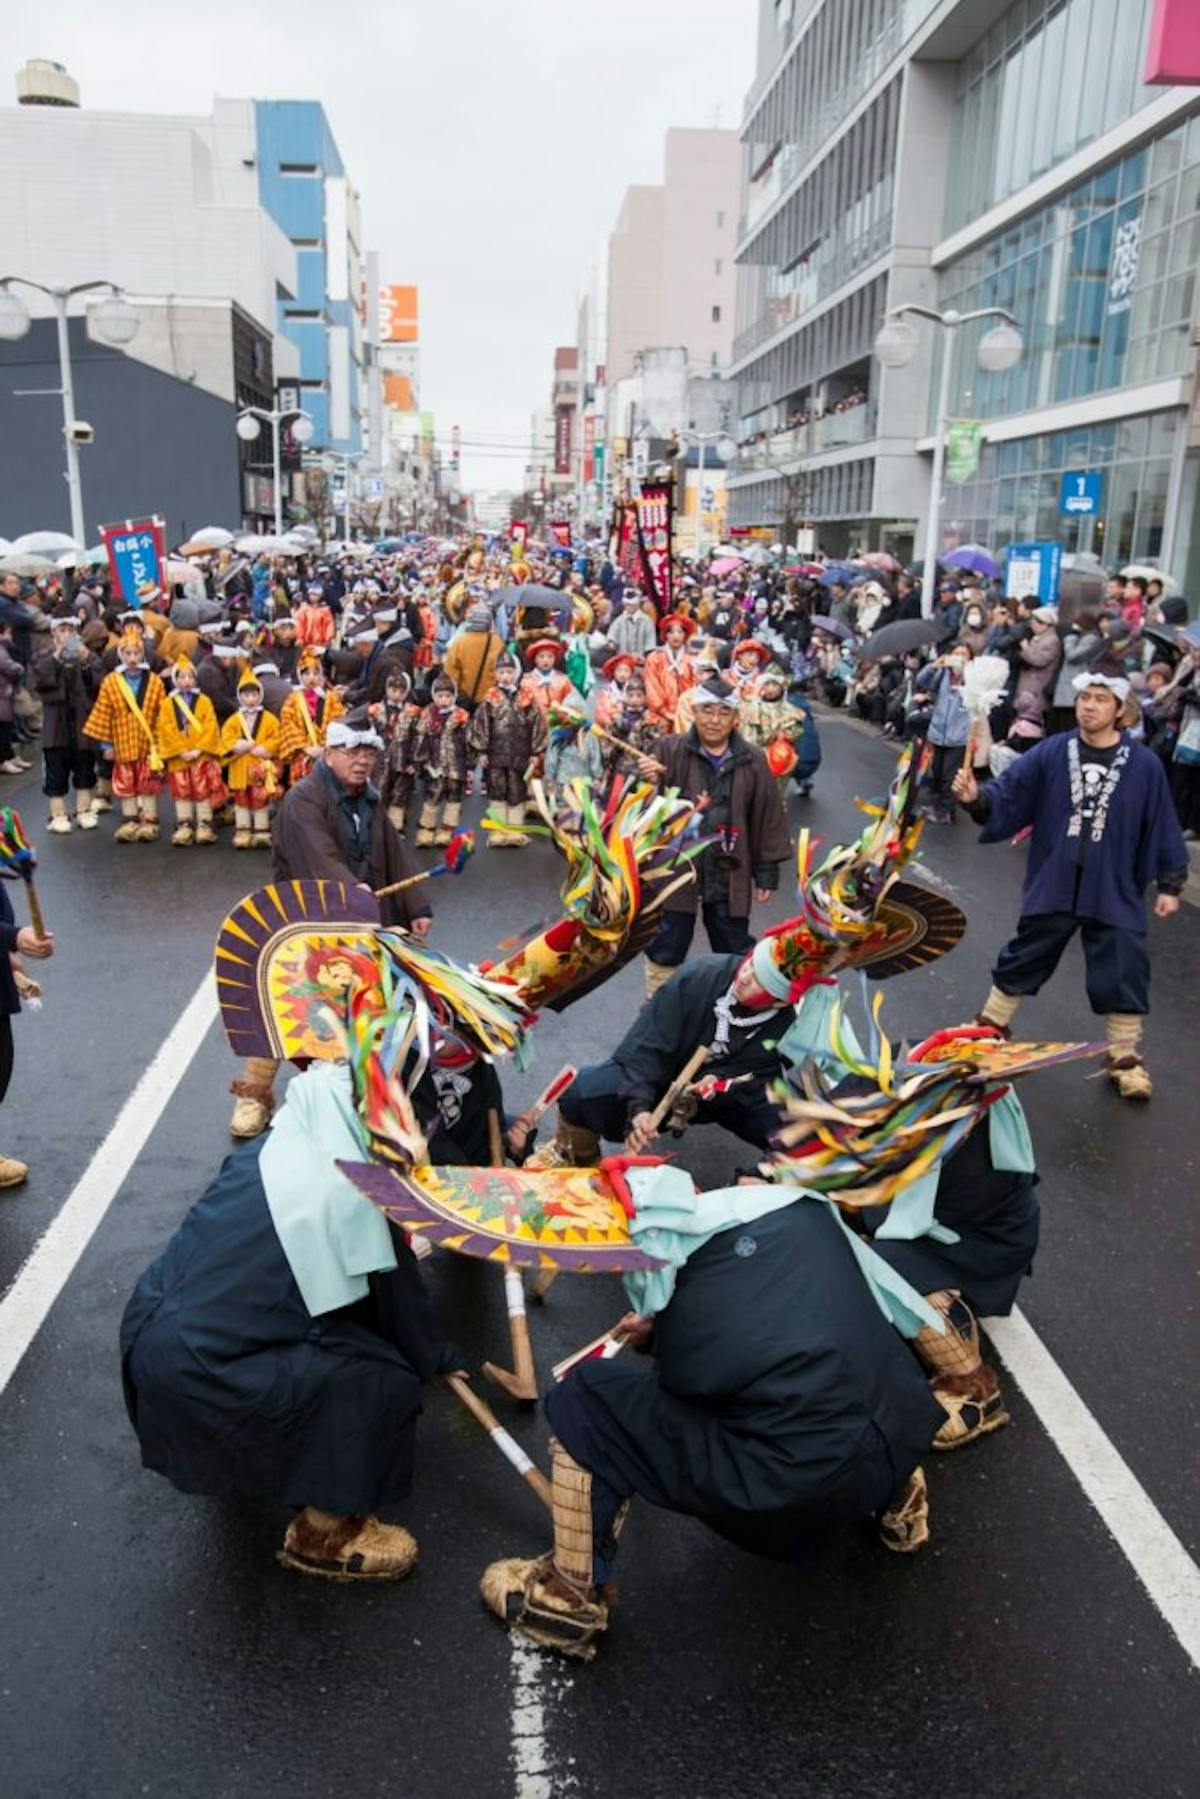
[[136, 551], [1033, 568]]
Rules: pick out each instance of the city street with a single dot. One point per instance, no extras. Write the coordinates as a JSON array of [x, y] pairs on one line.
[[153, 1645]]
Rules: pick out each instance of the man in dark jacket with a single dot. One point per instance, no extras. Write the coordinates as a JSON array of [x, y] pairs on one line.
[[714, 764], [333, 826], [66, 678], [781, 1402]]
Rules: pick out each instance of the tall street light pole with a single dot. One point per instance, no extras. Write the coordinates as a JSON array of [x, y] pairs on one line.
[[896, 345], [115, 321], [726, 450], [248, 428]]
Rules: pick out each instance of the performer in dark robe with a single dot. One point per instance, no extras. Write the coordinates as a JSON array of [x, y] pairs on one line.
[[1103, 828], [724, 1002], [782, 1400], [990, 1209], [236, 1383]]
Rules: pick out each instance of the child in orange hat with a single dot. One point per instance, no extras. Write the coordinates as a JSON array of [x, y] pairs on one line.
[[189, 738], [250, 744], [124, 721]]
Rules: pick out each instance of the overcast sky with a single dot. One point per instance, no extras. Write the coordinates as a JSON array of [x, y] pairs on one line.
[[491, 143]]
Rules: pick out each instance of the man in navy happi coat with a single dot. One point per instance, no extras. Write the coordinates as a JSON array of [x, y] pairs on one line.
[[1104, 827]]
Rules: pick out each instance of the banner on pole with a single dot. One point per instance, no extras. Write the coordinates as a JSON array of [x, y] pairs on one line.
[[560, 531], [654, 534], [136, 551], [964, 438]]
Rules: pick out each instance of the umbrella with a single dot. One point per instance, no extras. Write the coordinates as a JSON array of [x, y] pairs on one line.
[[206, 540], [182, 572], [725, 565], [904, 635], [44, 543], [553, 599], [841, 574], [831, 626], [18, 564], [974, 558], [92, 558], [882, 560], [1147, 572]]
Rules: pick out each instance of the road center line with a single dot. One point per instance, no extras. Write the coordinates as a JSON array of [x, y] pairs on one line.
[[1142, 1534], [52, 1261]]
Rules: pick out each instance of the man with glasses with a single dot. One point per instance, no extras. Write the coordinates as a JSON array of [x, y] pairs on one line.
[[333, 826]]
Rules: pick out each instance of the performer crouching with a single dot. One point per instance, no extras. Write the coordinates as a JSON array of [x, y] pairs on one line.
[[275, 1351], [781, 1401]]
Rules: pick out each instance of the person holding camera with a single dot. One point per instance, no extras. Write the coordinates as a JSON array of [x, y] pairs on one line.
[[66, 678]]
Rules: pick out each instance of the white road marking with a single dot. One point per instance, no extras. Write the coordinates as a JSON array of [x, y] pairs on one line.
[[533, 1778], [52, 1261], [1145, 1539]]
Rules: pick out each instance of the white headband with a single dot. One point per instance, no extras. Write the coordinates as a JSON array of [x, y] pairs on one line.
[[1115, 683], [341, 736]]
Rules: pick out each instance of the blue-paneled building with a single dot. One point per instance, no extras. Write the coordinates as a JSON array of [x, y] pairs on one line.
[[304, 186]]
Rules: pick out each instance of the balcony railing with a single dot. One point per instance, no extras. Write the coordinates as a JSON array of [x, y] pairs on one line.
[[834, 431]]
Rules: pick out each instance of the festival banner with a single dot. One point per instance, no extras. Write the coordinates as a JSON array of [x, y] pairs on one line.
[[560, 532], [136, 551], [628, 543], [654, 534], [963, 440], [518, 533], [589, 448]]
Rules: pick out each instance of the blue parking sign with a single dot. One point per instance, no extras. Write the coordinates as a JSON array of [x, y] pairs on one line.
[[1079, 495]]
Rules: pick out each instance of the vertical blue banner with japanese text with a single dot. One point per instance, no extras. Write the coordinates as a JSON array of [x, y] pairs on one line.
[[136, 550]]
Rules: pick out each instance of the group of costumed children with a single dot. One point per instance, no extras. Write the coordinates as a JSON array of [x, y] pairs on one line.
[[527, 724]]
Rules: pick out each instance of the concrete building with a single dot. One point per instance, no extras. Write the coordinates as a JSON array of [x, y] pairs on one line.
[[167, 209], [671, 277], [963, 153]]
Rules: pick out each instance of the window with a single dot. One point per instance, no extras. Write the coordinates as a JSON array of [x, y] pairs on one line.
[[298, 168], [716, 315], [299, 312], [306, 243]]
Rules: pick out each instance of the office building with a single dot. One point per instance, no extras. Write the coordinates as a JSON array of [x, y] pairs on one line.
[[956, 154], [303, 186], [671, 276]]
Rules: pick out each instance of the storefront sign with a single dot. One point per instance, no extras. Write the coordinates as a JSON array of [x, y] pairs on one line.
[[562, 440], [1079, 495], [1173, 44], [589, 447], [136, 551], [1033, 568], [963, 439]]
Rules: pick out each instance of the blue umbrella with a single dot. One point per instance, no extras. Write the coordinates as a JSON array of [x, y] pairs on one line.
[[842, 574], [974, 558]]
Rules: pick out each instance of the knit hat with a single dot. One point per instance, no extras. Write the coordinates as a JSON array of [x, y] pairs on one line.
[[717, 692]]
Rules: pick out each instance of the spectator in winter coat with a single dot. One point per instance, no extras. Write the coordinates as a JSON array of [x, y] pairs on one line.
[[11, 674], [949, 729], [1081, 644], [1038, 659]]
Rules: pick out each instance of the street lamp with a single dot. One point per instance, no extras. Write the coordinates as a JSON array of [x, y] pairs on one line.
[[248, 428], [1000, 349], [726, 450], [114, 320], [346, 457]]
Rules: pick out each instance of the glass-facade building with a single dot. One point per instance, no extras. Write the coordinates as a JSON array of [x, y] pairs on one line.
[[1026, 166]]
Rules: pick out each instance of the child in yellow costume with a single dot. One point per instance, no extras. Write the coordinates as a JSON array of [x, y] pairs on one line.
[[250, 748], [189, 738], [124, 721], [304, 718]]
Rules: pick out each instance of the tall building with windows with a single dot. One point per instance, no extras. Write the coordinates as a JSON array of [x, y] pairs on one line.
[[303, 186], [960, 153]]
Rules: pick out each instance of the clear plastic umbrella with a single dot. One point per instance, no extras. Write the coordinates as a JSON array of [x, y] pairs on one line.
[[44, 543]]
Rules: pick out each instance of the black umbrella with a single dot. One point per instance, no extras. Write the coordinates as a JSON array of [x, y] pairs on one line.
[[906, 634], [535, 593]]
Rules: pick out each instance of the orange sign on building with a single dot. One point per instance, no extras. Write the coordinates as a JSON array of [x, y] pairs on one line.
[[397, 315]]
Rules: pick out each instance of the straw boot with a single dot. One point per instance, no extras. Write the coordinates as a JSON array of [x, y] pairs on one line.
[[127, 830], [1124, 1065], [85, 809], [515, 816], [657, 975], [204, 822], [60, 824], [147, 830], [358, 1547], [242, 839], [451, 814], [425, 826], [967, 1390], [572, 1146], [260, 838], [904, 1526], [255, 1095], [554, 1600], [184, 832]]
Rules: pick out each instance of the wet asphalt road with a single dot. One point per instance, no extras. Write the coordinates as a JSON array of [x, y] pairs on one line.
[[150, 1644]]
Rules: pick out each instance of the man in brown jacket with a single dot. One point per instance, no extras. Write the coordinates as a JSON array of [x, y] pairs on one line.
[[714, 765], [333, 826]]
